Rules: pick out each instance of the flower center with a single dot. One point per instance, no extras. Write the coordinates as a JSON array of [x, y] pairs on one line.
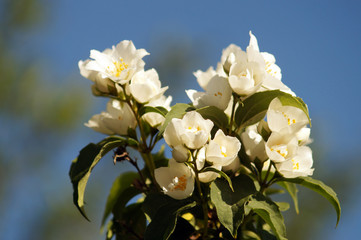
[[193, 129], [269, 69], [296, 165], [179, 183], [280, 149], [118, 67], [289, 119], [218, 94], [223, 151]]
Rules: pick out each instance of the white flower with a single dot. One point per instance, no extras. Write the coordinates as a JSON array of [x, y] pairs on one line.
[[207, 176], [218, 93], [118, 64], [118, 118], [97, 123], [228, 110], [180, 153], [145, 86], [233, 166], [229, 56], [273, 77], [303, 136], [155, 119], [176, 180], [203, 78], [281, 117], [222, 149], [192, 131], [101, 85], [281, 147], [247, 69], [254, 144], [299, 165]]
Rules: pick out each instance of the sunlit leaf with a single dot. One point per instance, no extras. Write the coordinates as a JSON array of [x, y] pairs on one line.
[[218, 117], [291, 188], [177, 111], [82, 166], [269, 212], [320, 188], [254, 108], [230, 204], [146, 109]]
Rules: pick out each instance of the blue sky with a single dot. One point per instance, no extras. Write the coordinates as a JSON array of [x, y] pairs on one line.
[[316, 44]]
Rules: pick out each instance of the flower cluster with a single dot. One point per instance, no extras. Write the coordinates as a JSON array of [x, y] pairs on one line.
[[119, 72], [244, 133]]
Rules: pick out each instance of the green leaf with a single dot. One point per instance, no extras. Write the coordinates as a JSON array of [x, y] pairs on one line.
[[291, 188], [82, 166], [211, 169], [320, 188], [182, 230], [254, 108], [269, 212], [164, 215], [229, 204], [120, 185], [217, 116], [283, 206], [177, 111], [146, 109], [133, 222], [271, 191]]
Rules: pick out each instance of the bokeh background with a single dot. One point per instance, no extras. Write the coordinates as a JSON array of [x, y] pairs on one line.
[[44, 101]]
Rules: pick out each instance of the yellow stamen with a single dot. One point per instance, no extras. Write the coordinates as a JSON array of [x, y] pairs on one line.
[[223, 151], [119, 67], [181, 184], [296, 165]]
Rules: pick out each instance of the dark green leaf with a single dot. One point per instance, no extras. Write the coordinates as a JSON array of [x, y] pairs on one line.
[[269, 212], [159, 158], [177, 111], [82, 166], [154, 201], [218, 117], [121, 183], [254, 108], [320, 188], [165, 215], [230, 204], [146, 109], [133, 222], [182, 230], [211, 169], [291, 188]]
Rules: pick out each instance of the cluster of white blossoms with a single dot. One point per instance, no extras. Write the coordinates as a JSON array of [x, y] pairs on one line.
[[119, 72], [244, 132], [242, 73], [287, 137], [197, 155], [190, 139]]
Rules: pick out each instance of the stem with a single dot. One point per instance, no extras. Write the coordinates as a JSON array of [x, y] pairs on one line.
[[232, 114], [203, 202], [151, 167], [135, 164], [144, 148], [264, 183]]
